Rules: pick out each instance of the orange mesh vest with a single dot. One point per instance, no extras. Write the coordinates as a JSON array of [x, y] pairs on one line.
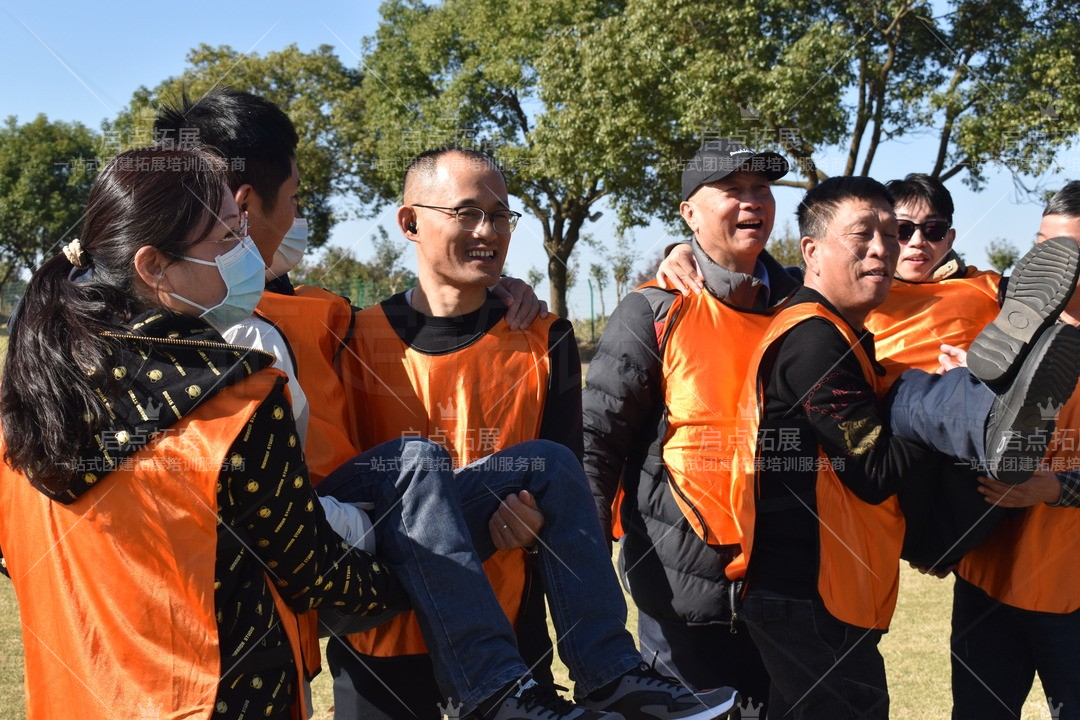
[[701, 388], [316, 323], [916, 318], [1030, 560], [475, 401], [858, 575], [116, 590]]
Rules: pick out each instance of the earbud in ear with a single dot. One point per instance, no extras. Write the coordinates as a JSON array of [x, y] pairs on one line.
[[411, 227]]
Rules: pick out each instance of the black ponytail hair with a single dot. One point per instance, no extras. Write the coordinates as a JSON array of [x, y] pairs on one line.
[[49, 410]]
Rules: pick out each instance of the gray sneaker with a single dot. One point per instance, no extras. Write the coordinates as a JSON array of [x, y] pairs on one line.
[[533, 701], [1037, 291], [645, 694]]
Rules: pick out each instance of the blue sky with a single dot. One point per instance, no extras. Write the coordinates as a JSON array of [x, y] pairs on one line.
[[82, 61]]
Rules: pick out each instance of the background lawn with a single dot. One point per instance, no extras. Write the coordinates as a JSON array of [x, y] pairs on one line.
[[916, 653]]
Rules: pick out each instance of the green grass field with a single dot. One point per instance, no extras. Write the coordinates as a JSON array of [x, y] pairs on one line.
[[916, 653]]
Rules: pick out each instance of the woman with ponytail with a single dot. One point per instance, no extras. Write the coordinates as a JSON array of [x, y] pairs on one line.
[[155, 512]]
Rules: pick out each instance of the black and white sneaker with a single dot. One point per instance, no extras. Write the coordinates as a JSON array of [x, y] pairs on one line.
[[533, 701], [645, 694], [1037, 292], [1022, 419]]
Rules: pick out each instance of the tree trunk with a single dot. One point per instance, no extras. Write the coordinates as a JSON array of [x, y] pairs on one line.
[[557, 281]]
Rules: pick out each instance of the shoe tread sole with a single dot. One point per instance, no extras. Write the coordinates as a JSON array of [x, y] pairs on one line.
[[1038, 291]]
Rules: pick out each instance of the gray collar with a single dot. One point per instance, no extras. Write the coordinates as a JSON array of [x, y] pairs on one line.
[[746, 292]]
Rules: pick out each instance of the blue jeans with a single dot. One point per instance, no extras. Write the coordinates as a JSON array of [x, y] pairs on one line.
[[996, 651], [945, 412], [820, 668], [431, 526]]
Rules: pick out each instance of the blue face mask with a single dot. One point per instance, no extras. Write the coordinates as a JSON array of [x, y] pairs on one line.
[[242, 269], [291, 250]]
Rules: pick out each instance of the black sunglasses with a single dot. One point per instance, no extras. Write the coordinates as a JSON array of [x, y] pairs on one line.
[[932, 230]]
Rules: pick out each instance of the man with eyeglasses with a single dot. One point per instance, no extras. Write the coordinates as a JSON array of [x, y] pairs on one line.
[[440, 361]]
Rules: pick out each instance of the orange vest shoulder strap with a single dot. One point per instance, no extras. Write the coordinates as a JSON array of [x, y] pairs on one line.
[[860, 543]]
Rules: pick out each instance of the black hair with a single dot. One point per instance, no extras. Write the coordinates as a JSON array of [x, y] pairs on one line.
[[920, 186], [1065, 202], [167, 199], [425, 163], [254, 136], [817, 207]]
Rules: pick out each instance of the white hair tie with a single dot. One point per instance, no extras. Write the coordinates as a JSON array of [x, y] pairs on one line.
[[75, 254]]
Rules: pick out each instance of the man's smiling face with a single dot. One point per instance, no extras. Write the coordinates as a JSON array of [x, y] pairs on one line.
[[732, 217]]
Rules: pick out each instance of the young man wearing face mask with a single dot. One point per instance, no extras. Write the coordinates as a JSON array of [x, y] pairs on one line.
[[241, 126]]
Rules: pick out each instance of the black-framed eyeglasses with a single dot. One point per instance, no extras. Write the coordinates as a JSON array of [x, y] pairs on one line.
[[932, 230], [470, 218]]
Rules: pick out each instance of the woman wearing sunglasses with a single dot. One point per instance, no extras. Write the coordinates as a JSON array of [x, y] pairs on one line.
[[156, 516]]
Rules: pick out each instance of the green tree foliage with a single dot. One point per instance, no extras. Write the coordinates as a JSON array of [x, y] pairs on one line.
[[46, 169], [622, 259], [599, 275], [786, 247], [1002, 254], [320, 94], [534, 277], [475, 72], [588, 101], [995, 82], [365, 283], [648, 272]]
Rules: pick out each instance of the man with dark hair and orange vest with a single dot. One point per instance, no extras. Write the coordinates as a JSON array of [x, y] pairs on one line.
[[660, 407], [818, 469], [1016, 602], [440, 361]]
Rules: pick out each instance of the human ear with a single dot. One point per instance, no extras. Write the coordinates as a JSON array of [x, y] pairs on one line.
[[686, 209], [406, 220], [809, 248]]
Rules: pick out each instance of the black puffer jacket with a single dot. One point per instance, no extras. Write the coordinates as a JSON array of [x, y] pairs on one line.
[[669, 571]]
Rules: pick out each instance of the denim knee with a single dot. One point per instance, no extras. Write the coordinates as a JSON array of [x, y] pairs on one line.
[[425, 452]]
